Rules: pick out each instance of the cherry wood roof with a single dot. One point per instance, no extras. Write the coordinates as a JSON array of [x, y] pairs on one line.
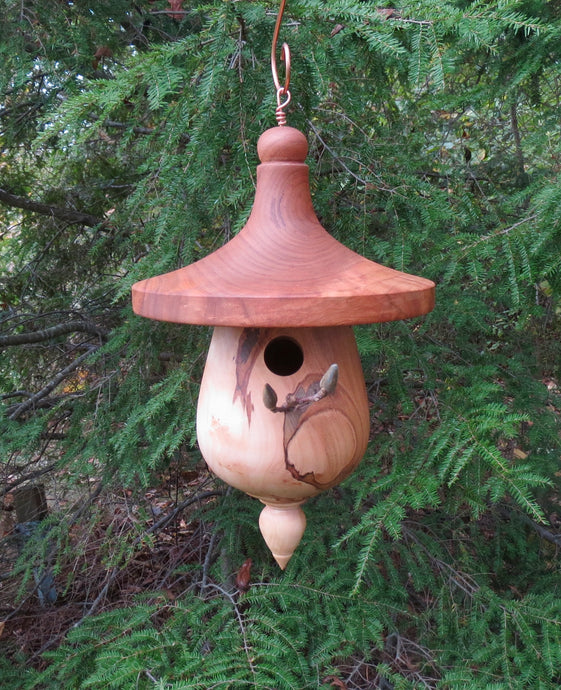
[[283, 268]]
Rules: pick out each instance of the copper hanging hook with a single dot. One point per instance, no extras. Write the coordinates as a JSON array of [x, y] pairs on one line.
[[282, 91]]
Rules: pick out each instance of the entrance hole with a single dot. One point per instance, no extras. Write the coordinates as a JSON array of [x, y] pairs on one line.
[[283, 356]]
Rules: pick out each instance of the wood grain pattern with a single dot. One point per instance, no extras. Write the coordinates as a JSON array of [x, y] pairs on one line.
[[283, 269]]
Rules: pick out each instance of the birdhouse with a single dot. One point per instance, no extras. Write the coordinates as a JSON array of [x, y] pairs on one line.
[[283, 411]]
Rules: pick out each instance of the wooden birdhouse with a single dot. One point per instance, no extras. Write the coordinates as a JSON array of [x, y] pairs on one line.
[[282, 412]]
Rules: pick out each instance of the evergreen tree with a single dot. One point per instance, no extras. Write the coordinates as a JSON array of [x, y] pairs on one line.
[[128, 135]]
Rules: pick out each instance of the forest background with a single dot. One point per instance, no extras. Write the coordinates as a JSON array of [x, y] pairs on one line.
[[128, 138]]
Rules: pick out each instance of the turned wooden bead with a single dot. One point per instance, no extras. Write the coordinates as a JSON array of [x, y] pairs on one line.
[[282, 144]]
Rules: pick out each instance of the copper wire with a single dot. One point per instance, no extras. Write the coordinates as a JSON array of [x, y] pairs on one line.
[[282, 91]]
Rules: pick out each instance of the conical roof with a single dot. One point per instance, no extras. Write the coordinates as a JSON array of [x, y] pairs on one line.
[[283, 269]]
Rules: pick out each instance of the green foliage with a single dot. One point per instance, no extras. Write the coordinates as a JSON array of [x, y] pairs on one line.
[[433, 149], [269, 637]]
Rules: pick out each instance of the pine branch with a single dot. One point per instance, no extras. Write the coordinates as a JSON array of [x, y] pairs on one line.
[[334, 154], [66, 214], [138, 129], [16, 394], [209, 559], [123, 125], [541, 531], [241, 623]]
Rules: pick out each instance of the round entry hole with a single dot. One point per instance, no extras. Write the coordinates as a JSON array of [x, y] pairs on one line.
[[283, 356]]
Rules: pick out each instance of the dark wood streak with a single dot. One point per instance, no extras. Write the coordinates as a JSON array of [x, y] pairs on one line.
[[310, 477], [246, 356]]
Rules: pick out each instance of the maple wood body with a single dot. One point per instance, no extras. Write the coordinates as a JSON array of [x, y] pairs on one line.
[[282, 458]]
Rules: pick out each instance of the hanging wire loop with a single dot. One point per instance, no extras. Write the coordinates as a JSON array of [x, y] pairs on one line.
[[282, 91]]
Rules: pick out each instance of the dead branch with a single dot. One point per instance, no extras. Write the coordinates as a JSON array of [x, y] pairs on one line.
[[43, 404], [30, 402], [169, 517], [52, 332], [160, 524], [16, 394], [29, 477], [66, 214]]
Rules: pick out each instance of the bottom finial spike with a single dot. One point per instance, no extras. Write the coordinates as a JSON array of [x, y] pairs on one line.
[[282, 529]]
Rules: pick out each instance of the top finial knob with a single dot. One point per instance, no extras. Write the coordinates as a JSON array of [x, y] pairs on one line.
[[282, 144]]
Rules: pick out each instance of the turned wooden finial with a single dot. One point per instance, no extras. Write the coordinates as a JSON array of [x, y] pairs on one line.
[[282, 529]]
